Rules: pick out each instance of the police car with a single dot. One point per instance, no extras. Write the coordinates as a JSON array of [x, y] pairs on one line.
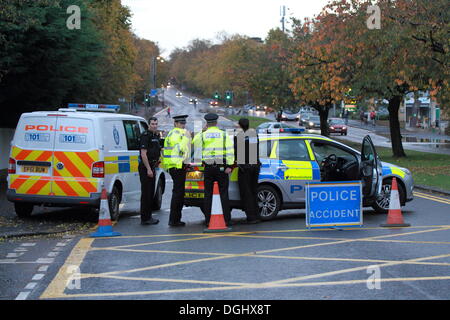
[[289, 161], [63, 158]]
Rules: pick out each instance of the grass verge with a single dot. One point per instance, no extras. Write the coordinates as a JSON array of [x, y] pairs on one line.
[[254, 121]]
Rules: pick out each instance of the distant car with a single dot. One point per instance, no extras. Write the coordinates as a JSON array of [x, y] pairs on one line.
[[313, 122], [276, 127], [178, 94], [304, 117], [193, 101], [214, 103], [289, 115], [337, 125]]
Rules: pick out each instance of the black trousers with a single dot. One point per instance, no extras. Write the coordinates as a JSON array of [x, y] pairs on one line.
[[248, 184], [177, 202], [147, 192], [211, 174]]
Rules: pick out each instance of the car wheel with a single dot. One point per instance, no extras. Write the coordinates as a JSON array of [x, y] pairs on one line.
[[269, 202], [23, 210], [114, 201], [157, 200], [381, 205]]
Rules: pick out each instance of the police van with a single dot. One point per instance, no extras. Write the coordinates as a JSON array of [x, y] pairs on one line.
[[289, 161], [63, 158]]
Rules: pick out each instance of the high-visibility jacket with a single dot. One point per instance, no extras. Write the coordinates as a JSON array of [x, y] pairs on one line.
[[176, 148], [216, 147]]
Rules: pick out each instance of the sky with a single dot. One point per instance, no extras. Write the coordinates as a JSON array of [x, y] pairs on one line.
[[174, 23]]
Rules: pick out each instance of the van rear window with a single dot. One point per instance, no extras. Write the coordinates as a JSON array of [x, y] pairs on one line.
[[35, 132], [75, 134]]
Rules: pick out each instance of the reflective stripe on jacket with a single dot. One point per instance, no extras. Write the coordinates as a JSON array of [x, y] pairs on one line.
[[215, 146], [176, 148]]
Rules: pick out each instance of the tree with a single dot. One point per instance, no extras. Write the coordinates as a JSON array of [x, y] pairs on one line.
[[384, 63], [43, 64], [271, 80], [317, 68]]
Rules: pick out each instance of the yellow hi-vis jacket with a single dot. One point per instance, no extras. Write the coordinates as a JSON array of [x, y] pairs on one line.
[[176, 148], [216, 147]]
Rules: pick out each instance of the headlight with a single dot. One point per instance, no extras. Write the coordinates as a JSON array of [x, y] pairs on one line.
[[344, 128], [311, 123], [332, 128]]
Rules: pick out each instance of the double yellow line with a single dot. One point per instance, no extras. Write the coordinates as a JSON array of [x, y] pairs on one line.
[[431, 197]]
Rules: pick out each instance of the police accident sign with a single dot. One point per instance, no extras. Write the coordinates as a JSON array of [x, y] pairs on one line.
[[337, 204]]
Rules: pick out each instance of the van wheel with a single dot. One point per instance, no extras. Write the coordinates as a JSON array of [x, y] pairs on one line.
[[114, 201], [381, 205], [269, 202], [157, 200], [23, 210]]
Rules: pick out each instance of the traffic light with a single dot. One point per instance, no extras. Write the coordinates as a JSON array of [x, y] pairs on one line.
[[216, 95], [229, 96]]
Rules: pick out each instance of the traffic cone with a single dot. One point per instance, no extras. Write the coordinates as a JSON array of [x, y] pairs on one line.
[[104, 219], [395, 218], [216, 222]]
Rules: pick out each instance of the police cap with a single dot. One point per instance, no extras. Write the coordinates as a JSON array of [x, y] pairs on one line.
[[211, 117], [180, 118]]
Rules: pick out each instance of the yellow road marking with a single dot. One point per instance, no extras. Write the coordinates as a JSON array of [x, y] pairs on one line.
[[254, 286], [173, 280], [431, 197], [58, 285], [332, 273]]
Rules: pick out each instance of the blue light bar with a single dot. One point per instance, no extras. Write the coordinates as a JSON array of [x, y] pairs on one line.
[[99, 107]]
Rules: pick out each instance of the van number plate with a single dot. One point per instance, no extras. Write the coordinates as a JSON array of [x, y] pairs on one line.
[[34, 169]]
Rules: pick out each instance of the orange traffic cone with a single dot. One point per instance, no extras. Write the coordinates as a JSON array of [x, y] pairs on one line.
[[216, 222], [395, 218], [104, 219]]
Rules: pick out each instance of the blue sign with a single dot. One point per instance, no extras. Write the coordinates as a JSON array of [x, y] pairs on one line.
[[334, 204], [153, 92]]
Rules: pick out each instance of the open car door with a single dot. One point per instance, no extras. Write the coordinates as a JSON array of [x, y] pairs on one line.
[[370, 169]]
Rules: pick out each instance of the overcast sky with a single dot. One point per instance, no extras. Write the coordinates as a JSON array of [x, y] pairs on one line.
[[173, 23]]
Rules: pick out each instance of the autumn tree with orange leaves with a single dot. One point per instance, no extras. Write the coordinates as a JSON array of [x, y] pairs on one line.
[[320, 78]]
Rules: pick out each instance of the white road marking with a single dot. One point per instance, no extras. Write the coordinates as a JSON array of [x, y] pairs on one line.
[[45, 260], [38, 276], [31, 286], [22, 296]]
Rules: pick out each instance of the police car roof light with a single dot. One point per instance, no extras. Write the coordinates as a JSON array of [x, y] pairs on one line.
[[94, 107]]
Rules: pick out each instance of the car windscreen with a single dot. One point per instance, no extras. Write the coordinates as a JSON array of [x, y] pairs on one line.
[[314, 118]]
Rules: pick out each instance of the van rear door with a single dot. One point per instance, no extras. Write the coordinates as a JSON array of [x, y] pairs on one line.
[[32, 151], [75, 155]]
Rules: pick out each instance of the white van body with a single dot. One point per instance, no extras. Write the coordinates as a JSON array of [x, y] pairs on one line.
[[63, 158]]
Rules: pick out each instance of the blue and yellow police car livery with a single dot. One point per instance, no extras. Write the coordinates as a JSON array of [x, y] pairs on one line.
[[289, 161]]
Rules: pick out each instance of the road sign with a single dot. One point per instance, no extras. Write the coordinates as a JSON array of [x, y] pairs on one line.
[[334, 204], [153, 92]]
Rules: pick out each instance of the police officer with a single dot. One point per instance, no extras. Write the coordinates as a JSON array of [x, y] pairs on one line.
[[150, 151], [217, 155], [176, 151], [246, 147]]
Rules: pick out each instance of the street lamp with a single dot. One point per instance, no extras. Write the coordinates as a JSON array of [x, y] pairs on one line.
[[153, 71]]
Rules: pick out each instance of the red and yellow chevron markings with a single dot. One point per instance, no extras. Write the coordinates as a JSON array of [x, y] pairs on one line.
[[74, 179]]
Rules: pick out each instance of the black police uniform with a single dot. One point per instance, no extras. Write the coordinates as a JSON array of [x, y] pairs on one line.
[[248, 172], [151, 142], [216, 172]]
